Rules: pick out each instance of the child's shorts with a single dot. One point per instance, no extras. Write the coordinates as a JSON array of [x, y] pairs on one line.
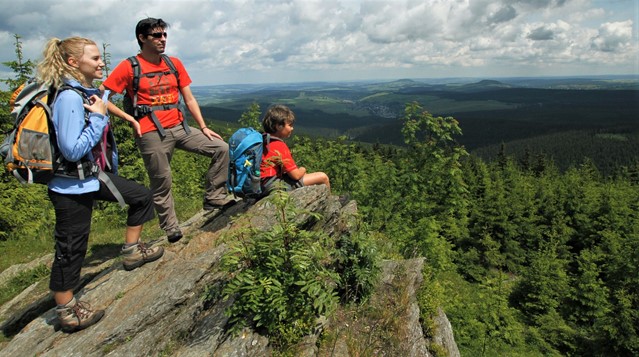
[[285, 183]]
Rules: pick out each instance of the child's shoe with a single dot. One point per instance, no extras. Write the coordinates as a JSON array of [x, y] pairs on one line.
[[77, 315], [138, 254]]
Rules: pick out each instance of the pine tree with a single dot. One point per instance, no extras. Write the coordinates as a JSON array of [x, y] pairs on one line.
[[431, 174], [251, 117], [23, 69], [540, 294], [589, 300], [106, 58]]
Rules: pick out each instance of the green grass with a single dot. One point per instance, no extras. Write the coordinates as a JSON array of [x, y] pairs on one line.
[[107, 235], [22, 281], [24, 250], [105, 230]]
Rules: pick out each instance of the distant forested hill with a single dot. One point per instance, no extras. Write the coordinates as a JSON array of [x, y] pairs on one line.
[[564, 118], [607, 150], [530, 112]]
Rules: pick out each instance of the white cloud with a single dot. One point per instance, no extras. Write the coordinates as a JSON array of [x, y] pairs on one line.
[[613, 36], [226, 41]]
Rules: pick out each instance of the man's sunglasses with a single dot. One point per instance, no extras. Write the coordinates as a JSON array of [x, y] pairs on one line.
[[158, 35]]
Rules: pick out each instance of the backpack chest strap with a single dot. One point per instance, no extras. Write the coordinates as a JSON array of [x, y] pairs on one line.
[[156, 74], [144, 110]]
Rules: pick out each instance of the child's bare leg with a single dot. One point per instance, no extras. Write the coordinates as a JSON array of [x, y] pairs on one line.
[[316, 178]]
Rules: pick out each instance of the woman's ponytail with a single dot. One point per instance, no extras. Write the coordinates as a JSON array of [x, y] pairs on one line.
[[54, 67]]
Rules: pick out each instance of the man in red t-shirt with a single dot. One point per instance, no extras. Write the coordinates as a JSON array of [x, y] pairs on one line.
[[158, 139]]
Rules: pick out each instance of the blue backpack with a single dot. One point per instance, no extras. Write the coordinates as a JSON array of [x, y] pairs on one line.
[[246, 146]]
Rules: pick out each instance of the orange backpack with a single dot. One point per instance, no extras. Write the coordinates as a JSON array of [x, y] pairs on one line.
[[30, 151]]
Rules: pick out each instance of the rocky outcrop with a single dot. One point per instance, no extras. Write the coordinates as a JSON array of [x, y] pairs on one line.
[[389, 325], [170, 307]]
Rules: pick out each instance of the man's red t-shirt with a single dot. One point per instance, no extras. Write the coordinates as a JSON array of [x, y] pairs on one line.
[[158, 90], [277, 161]]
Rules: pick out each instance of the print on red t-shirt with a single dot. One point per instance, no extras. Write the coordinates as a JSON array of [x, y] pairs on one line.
[[157, 90]]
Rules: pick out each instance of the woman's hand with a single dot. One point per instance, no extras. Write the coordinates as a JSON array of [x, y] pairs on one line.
[[97, 105]]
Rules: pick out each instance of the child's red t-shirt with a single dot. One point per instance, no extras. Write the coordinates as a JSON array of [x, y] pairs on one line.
[[277, 161], [158, 90]]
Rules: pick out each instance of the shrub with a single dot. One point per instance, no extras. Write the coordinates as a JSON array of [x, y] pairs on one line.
[[280, 277], [356, 261]]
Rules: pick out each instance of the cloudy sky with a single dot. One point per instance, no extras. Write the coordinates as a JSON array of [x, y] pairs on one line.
[[253, 41]]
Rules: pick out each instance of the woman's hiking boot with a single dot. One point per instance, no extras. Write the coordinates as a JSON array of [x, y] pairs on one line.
[[139, 254], [77, 315]]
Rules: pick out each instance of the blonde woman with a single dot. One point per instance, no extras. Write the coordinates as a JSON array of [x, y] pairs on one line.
[[83, 135]]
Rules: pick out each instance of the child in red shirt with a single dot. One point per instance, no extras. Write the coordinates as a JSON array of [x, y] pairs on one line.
[[278, 169]]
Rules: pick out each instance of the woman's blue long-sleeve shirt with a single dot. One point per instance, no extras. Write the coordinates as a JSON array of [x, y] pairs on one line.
[[76, 137]]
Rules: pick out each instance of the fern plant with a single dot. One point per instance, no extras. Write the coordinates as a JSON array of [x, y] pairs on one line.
[[356, 261], [280, 278]]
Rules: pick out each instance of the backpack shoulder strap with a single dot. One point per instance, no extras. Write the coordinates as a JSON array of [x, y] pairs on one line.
[[135, 84], [64, 87], [172, 67], [267, 138], [135, 65], [85, 98], [169, 63], [173, 70]]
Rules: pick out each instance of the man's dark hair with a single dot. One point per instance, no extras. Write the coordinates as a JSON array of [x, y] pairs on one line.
[[145, 26]]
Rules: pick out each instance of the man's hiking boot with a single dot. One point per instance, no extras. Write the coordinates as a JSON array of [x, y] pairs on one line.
[[174, 235], [210, 207], [77, 315], [137, 255]]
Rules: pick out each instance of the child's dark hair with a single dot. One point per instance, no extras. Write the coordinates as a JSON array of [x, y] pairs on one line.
[[145, 26], [275, 116]]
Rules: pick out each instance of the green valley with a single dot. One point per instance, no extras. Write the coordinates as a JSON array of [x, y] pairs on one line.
[[531, 116]]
